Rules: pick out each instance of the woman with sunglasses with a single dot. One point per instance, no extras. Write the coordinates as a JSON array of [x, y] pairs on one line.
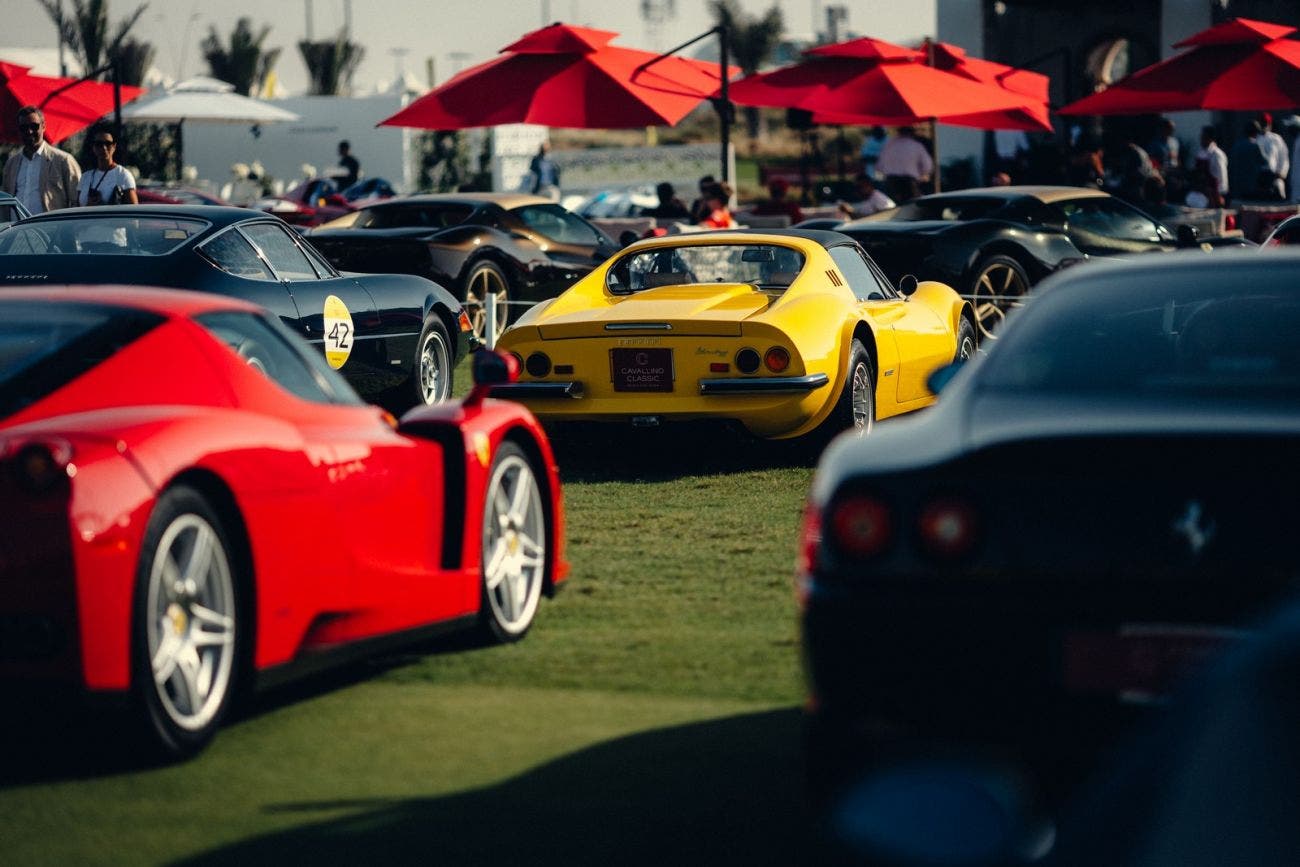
[[106, 183]]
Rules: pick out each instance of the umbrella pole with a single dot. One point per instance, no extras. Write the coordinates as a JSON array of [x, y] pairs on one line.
[[180, 149], [934, 140]]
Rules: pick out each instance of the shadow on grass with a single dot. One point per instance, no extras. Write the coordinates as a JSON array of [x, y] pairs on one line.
[[722, 792], [608, 452]]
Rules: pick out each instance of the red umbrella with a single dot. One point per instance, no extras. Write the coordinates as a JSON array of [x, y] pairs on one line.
[[567, 77], [1031, 113], [1240, 65], [67, 112], [872, 81]]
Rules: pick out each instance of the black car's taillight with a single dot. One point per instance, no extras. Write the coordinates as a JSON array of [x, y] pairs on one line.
[[860, 526], [947, 528]]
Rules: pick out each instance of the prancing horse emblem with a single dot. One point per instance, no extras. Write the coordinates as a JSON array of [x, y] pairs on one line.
[[1191, 527]]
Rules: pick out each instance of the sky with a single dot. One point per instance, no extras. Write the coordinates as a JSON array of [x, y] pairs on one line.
[[403, 34]]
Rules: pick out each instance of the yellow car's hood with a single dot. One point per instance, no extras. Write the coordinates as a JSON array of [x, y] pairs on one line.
[[714, 309]]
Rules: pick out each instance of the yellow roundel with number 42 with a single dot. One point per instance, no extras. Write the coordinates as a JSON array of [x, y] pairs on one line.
[[338, 332]]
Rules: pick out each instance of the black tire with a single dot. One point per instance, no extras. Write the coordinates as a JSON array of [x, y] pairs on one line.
[[966, 341], [486, 277], [431, 377], [187, 634], [516, 531], [996, 284], [859, 378]]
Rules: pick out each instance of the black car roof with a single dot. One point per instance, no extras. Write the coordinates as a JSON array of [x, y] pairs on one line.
[[826, 237], [217, 215]]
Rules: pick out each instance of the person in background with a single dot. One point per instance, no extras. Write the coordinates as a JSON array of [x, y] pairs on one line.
[[870, 200], [349, 164], [698, 207], [1084, 168], [1000, 179], [1212, 166], [40, 175], [1274, 149], [1012, 147], [1164, 148], [106, 183], [670, 207], [1245, 164], [546, 174], [905, 163], [718, 216], [870, 153], [1129, 169], [778, 205]]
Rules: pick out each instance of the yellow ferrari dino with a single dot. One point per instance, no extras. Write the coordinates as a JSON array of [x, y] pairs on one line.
[[788, 332]]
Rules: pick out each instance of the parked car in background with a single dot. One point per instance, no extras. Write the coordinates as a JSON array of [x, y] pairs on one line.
[[992, 244], [625, 202], [788, 333], [517, 247], [1285, 234], [161, 194], [1095, 507], [197, 505], [310, 203], [369, 190], [396, 337]]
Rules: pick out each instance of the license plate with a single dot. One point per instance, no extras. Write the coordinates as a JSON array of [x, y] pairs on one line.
[[642, 369], [1139, 662]]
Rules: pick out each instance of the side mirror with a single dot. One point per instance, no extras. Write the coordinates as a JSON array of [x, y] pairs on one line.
[[938, 380], [907, 285], [490, 367], [1187, 236]]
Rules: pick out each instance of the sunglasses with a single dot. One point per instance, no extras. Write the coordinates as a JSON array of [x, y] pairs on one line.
[[102, 144]]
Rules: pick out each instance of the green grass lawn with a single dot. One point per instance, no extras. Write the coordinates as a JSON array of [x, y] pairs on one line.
[[649, 717]]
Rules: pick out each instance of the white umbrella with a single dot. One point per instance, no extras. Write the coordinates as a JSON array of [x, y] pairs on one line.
[[206, 100]]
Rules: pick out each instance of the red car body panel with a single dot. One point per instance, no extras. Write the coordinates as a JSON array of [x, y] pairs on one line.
[[342, 514]]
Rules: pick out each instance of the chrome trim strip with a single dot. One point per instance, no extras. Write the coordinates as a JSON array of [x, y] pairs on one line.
[[764, 385], [639, 326], [538, 390]]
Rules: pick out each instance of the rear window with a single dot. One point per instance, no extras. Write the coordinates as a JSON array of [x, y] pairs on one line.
[[413, 216], [767, 266], [114, 235], [950, 209], [44, 346], [1231, 337]]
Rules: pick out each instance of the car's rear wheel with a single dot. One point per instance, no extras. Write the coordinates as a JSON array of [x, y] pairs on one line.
[[516, 528], [485, 279], [998, 285], [187, 635], [856, 407], [433, 369], [966, 344]]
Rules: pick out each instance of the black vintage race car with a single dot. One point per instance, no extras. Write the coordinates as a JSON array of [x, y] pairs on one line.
[[520, 248], [992, 244], [395, 337], [1096, 506]]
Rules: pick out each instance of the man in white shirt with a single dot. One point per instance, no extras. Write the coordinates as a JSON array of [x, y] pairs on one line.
[[1274, 148], [870, 200], [40, 175], [904, 162], [1215, 160]]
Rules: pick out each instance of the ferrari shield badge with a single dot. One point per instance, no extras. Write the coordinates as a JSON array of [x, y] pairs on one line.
[[338, 332]]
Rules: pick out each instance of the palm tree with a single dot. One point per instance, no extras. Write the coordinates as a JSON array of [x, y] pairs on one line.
[[752, 42], [331, 64], [86, 31], [245, 63]]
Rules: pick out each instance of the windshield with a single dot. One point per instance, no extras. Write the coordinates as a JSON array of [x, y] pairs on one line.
[[767, 266], [413, 216], [44, 346], [1234, 337], [112, 234], [952, 209]]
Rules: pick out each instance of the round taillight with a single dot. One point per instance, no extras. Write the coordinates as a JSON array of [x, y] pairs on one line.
[[947, 528], [861, 526], [538, 364], [747, 361], [777, 359]]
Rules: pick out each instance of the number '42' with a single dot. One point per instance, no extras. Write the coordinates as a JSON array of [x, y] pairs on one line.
[[339, 335]]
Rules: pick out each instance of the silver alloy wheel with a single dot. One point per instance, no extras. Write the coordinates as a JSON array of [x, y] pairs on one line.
[[967, 348], [514, 544], [863, 415], [190, 621], [435, 363], [482, 283], [996, 290]]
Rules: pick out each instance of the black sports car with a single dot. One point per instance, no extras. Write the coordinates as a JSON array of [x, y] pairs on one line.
[[395, 337], [1093, 506], [992, 244], [518, 247]]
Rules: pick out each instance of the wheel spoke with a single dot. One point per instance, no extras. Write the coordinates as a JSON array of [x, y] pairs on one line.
[[164, 657], [493, 572], [505, 591], [211, 628], [523, 495], [187, 678], [200, 559], [529, 545]]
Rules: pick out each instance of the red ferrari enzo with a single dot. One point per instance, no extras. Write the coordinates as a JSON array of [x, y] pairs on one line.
[[194, 504]]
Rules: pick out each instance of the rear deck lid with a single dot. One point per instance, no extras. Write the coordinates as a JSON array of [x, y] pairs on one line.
[[714, 310]]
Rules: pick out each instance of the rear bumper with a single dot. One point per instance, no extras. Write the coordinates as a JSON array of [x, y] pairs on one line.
[[765, 385]]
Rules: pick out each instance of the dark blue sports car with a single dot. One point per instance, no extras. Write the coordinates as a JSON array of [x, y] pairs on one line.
[[396, 337]]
